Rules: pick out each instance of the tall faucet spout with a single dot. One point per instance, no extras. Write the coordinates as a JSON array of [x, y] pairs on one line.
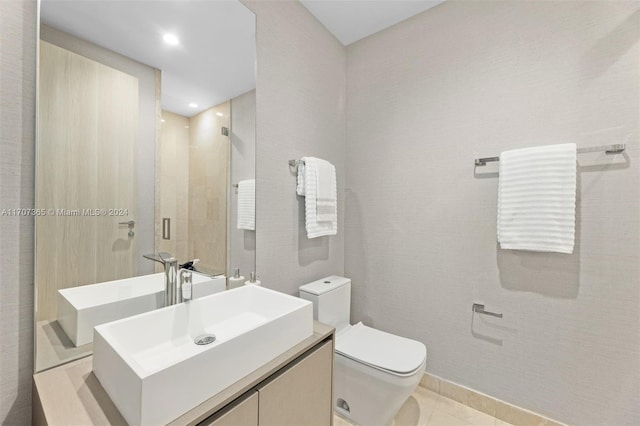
[[172, 293]]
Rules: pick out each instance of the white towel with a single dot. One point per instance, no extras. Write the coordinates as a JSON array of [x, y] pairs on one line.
[[247, 204], [537, 198], [321, 216], [326, 198], [300, 187]]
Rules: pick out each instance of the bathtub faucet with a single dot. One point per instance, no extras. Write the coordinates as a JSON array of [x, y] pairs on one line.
[[172, 292]]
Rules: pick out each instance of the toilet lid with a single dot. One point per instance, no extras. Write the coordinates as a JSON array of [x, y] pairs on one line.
[[382, 350]]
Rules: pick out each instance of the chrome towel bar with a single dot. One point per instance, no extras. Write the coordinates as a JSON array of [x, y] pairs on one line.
[[295, 163], [608, 149]]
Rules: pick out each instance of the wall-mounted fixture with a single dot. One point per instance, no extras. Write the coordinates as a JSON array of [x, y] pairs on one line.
[[608, 149], [479, 308]]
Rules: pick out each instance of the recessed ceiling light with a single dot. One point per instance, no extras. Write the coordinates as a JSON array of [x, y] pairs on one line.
[[162, 120], [193, 105], [219, 114], [171, 39]]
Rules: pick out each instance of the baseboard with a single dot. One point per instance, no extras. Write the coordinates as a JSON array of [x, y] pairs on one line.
[[487, 404]]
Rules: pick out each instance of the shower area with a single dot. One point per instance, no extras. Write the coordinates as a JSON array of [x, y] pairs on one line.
[[192, 187]]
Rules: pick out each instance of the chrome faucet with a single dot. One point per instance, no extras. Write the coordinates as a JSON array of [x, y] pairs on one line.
[[172, 292]]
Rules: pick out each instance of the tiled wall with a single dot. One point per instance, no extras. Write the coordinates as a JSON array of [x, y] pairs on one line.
[[173, 179], [17, 126], [300, 112], [208, 188], [242, 243], [193, 173], [472, 79]]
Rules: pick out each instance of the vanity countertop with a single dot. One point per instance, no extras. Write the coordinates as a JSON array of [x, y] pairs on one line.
[[72, 395]]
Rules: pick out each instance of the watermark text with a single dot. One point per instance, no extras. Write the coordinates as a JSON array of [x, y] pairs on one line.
[[65, 212]]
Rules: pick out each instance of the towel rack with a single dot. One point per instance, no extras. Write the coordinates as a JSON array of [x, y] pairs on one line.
[[295, 163], [608, 149]]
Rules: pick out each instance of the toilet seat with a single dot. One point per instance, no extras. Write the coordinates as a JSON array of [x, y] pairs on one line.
[[387, 352]]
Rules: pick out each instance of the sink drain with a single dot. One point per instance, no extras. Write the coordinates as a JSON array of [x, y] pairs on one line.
[[205, 339]]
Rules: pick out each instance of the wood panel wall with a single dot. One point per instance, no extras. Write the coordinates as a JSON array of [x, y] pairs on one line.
[[87, 151]]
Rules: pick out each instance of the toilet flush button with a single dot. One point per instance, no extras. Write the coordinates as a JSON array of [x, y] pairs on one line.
[[327, 282]]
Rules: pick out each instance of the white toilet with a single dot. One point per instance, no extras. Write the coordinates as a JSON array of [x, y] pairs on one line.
[[374, 372]]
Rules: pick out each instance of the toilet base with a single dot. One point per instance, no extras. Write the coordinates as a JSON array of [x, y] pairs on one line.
[[368, 396]]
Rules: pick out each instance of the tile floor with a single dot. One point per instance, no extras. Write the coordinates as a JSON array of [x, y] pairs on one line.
[[425, 407]]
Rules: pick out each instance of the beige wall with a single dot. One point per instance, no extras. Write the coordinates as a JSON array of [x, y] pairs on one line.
[[18, 32], [208, 188], [193, 186], [86, 159], [172, 177], [300, 111], [472, 79], [148, 113]]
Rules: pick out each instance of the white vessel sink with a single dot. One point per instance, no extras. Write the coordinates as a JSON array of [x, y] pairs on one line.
[[154, 371], [80, 309]]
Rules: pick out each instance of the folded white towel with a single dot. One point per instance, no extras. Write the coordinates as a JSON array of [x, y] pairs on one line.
[[247, 204], [326, 199], [300, 187], [537, 198], [325, 223]]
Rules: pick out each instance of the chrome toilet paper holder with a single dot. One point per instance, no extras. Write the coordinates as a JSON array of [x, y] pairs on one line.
[[479, 308]]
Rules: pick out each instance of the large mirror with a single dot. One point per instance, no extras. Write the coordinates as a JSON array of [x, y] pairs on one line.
[[146, 144]]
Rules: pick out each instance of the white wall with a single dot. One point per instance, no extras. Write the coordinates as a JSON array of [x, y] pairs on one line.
[[18, 24], [300, 112], [471, 79]]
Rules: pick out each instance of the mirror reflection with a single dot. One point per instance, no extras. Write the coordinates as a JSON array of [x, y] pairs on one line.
[[146, 145]]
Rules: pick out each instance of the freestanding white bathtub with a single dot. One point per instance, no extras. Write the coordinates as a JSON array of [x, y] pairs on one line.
[[80, 309]]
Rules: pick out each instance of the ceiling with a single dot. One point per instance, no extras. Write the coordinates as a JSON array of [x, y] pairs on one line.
[[352, 20], [214, 61]]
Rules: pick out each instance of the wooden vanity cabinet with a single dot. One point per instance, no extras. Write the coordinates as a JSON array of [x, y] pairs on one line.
[[243, 412], [299, 394]]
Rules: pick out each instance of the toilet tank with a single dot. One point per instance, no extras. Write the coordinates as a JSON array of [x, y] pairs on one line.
[[331, 298]]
